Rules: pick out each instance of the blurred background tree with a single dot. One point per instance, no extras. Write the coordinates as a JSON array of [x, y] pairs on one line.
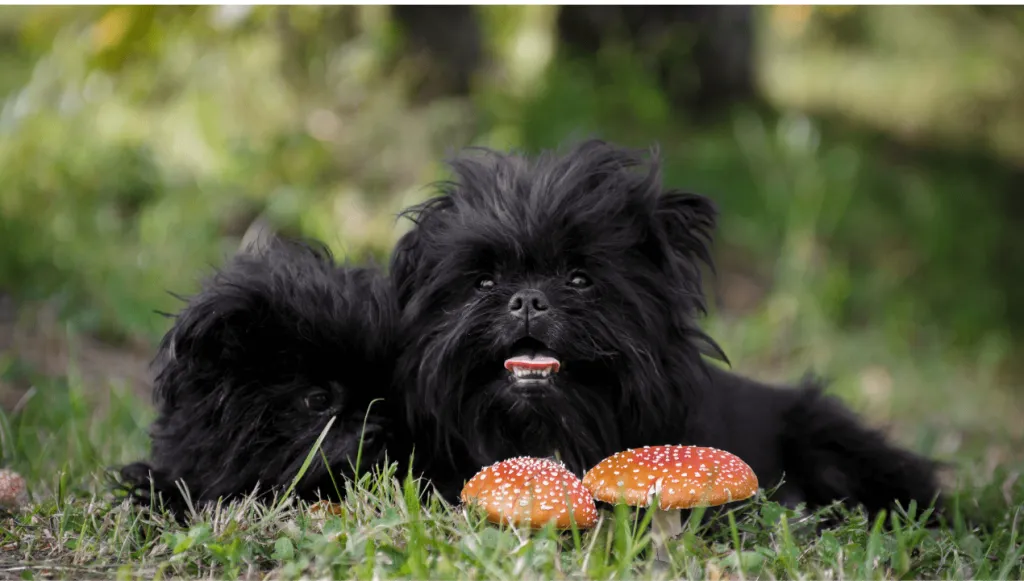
[[868, 161]]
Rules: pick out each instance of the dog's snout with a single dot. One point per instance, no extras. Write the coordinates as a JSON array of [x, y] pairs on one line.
[[528, 303]]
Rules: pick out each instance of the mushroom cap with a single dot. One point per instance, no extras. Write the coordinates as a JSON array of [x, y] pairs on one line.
[[531, 491], [685, 476], [325, 507], [12, 489]]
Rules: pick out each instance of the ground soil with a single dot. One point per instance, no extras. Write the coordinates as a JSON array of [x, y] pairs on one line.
[[32, 334]]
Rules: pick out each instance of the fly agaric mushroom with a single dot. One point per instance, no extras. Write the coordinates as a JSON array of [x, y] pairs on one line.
[[12, 490], [533, 492], [325, 507], [684, 477]]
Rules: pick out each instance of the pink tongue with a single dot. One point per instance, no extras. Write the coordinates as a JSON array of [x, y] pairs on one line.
[[535, 362]]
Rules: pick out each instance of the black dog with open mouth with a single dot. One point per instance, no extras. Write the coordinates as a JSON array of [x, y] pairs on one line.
[[549, 305], [277, 343]]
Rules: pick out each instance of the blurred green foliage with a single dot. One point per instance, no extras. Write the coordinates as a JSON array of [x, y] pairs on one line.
[[137, 144]]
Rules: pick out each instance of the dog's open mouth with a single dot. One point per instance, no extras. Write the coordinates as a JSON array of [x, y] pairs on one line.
[[531, 362]]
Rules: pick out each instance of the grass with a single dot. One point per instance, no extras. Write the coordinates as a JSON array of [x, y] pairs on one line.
[[64, 435]]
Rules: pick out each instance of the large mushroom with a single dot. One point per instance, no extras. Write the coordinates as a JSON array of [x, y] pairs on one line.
[[683, 477], [533, 492]]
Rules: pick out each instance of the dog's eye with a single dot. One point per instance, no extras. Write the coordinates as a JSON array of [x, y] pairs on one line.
[[485, 283], [317, 401], [579, 280]]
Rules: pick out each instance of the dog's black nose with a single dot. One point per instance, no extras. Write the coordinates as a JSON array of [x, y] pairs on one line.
[[527, 304]]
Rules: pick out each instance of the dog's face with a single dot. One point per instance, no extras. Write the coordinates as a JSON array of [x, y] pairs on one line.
[[542, 297], [258, 364], [269, 421]]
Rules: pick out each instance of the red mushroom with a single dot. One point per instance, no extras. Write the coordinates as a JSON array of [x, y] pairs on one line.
[[532, 492], [13, 493], [683, 477]]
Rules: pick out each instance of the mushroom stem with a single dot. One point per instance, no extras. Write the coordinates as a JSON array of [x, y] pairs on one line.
[[665, 525]]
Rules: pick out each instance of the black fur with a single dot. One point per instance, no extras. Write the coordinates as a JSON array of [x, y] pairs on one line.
[[633, 371], [254, 367]]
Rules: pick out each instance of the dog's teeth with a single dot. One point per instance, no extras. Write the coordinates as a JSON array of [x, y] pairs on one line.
[[528, 373]]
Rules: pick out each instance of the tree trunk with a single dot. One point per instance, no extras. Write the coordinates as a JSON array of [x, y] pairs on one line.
[[702, 56]]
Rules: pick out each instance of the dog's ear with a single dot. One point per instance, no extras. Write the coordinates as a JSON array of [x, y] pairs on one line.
[[410, 250], [219, 323], [404, 258], [210, 339], [183, 353], [285, 312], [684, 225]]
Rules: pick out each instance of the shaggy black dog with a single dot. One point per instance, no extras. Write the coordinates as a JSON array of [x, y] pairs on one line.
[[550, 308], [275, 345]]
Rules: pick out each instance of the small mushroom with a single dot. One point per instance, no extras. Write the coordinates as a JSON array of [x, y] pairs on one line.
[[13, 493], [532, 492], [683, 477], [325, 507]]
